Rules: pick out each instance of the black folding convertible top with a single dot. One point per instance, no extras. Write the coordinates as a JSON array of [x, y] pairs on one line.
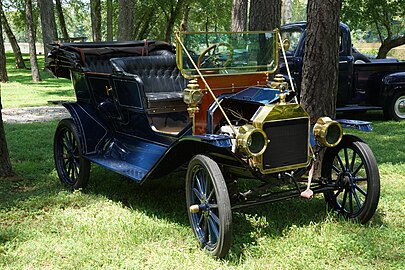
[[95, 56]]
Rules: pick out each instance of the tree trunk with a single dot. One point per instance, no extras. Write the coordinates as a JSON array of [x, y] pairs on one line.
[[144, 26], [321, 59], [239, 15], [264, 15], [61, 19], [184, 20], [3, 70], [19, 61], [48, 25], [126, 20], [5, 164], [36, 77], [286, 11], [95, 10], [174, 12], [388, 44], [110, 33]]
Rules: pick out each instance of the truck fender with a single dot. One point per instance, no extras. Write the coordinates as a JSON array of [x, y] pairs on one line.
[[393, 95], [392, 83]]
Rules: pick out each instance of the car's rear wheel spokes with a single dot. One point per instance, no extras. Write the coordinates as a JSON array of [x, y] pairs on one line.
[[73, 170]]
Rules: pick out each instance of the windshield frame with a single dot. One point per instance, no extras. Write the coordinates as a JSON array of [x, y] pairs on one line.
[[186, 72]]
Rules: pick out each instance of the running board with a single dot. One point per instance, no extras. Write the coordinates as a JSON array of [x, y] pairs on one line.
[[122, 167], [357, 108]]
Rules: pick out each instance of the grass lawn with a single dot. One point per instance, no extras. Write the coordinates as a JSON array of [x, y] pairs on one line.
[[117, 224], [20, 91]]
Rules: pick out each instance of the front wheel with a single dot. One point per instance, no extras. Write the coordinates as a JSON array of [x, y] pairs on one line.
[[208, 205], [352, 168], [396, 108], [73, 170]]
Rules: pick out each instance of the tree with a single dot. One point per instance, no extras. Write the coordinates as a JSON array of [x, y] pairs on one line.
[[126, 20], [184, 20], [110, 33], [286, 11], [5, 165], [239, 15], [385, 17], [36, 77], [61, 18], [48, 25], [19, 61], [321, 59], [264, 14], [3, 70], [175, 8], [95, 11]]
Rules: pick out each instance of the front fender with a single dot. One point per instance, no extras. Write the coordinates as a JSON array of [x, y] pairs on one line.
[[182, 151]]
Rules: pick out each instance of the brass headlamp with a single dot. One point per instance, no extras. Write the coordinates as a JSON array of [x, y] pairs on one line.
[[192, 96], [327, 132], [251, 141]]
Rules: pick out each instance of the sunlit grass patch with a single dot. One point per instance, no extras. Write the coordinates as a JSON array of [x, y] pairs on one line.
[[20, 91]]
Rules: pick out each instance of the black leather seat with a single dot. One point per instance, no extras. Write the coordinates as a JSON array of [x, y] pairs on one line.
[[162, 80]]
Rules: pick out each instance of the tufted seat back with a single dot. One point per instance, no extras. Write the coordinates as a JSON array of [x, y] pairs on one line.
[[158, 73], [101, 63]]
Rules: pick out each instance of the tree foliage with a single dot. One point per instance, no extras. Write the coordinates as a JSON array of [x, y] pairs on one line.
[[384, 18]]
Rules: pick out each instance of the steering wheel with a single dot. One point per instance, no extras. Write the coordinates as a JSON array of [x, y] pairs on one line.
[[214, 57]]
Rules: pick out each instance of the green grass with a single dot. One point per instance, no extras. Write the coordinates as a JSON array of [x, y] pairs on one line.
[[116, 223], [20, 91]]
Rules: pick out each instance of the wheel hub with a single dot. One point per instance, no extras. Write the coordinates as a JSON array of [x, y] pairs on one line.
[[345, 180], [400, 106]]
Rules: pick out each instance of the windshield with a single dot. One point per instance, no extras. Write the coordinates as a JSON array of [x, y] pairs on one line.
[[294, 37], [227, 53]]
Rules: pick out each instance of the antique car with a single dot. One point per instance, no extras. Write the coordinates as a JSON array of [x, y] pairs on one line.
[[212, 104]]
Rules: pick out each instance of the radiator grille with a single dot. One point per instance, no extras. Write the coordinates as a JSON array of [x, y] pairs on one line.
[[288, 143]]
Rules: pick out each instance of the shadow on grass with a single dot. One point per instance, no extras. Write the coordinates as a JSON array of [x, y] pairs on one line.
[[165, 198]]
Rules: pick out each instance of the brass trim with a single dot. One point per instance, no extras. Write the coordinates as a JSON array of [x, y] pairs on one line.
[[278, 113], [206, 84], [321, 128], [179, 60]]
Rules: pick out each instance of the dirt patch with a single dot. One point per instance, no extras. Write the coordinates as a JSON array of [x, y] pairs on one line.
[[34, 114]]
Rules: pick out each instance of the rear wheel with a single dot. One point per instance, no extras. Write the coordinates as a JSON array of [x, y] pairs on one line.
[[73, 170], [208, 205], [396, 108], [352, 168]]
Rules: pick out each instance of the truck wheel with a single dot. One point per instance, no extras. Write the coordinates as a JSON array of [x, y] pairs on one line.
[[351, 167], [208, 205], [73, 170], [396, 108]]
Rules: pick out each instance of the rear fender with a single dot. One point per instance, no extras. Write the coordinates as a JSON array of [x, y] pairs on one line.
[[93, 132]]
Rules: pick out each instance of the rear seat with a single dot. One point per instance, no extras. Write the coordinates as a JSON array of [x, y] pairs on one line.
[[101, 63], [162, 80]]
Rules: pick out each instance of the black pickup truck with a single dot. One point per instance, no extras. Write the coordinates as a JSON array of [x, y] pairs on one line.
[[364, 83]]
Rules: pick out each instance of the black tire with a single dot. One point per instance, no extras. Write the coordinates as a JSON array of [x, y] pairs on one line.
[[396, 107], [73, 170], [352, 168], [206, 188]]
